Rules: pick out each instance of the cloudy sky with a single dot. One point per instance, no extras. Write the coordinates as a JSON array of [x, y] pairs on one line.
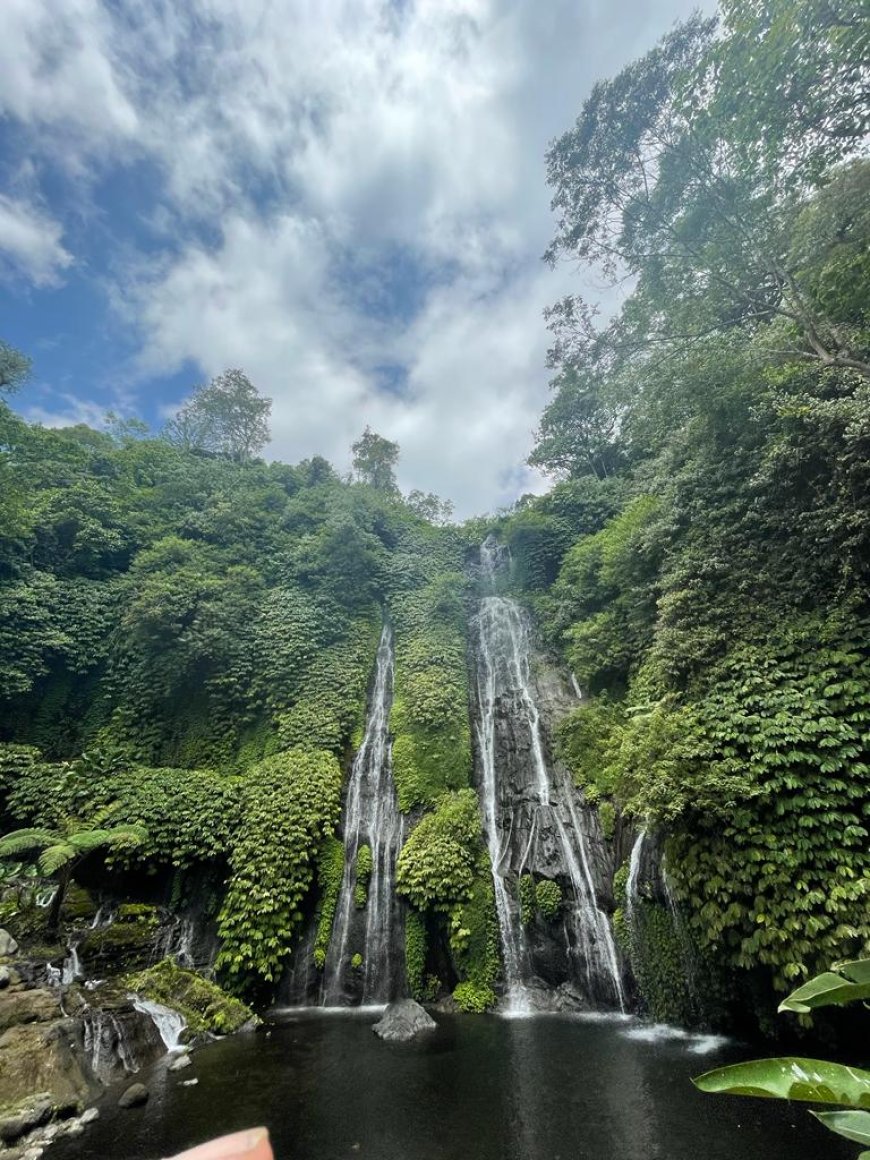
[[346, 198]]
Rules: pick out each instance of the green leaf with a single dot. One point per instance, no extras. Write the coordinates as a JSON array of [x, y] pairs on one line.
[[789, 1078], [853, 1125], [825, 990]]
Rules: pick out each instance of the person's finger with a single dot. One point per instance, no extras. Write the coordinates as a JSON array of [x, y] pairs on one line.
[[252, 1144]]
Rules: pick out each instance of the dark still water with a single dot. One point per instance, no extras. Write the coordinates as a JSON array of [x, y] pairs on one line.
[[478, 1088]]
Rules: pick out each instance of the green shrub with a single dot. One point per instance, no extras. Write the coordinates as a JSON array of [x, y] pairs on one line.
[[330, 871], [435, 869], [473, 997], [291, 802], [528, 898], [363, 873], [549, 895]]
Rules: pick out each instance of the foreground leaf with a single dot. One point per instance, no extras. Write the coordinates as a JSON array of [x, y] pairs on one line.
[[790, 1078], [826, 990], [852, 1125]]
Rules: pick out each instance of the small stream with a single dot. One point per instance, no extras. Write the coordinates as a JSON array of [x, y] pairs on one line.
[[477, 1088]]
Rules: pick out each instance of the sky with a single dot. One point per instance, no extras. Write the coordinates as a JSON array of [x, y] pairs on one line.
[[344, 198]]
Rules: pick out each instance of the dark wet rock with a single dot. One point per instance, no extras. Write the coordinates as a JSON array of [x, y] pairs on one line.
[[403, 1020], [134, 1096], [26, 1117]]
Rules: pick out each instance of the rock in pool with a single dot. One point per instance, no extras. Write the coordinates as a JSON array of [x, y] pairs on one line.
[[136, 1094], [403, 1020]]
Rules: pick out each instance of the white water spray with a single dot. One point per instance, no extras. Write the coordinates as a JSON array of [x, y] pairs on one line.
[[503, 675], [371, 818]]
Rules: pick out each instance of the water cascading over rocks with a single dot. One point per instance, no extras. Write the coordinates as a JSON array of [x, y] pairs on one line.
[[534, 820], [365, 961]]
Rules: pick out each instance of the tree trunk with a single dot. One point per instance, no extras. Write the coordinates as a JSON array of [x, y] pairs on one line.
[[53, 924]]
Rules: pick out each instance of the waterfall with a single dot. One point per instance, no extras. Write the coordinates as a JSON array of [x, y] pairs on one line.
[[633, 876], [106, 1045], [372, 819], [530, 811], [72, 967], [168, 1022]]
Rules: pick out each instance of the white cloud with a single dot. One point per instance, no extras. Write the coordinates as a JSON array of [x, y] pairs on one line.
[[30, 243], [301, 141]]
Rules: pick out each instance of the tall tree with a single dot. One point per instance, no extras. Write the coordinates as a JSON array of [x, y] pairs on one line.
[[661, 180], [374, 459], [226, 417], [14, 368]]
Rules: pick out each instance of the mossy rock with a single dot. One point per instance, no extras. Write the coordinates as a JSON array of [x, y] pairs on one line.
[[205, 1007], [78, 906], [123, 946], [138, 912]]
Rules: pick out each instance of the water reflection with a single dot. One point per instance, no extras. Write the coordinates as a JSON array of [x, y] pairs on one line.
[[544, 1088]]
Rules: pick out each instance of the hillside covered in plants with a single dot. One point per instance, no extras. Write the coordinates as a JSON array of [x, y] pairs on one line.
[[189, 633]]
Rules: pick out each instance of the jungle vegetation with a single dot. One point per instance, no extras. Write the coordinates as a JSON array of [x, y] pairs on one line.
[[187, 630]]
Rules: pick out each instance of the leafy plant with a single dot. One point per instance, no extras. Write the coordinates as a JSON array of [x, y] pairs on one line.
[[810, 1080], [62, 851]]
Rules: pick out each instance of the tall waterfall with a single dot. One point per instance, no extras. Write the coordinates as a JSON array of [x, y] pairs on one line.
[[531, 814], [372, 819]]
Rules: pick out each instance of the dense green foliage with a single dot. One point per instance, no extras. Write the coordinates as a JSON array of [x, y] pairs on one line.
[[290, 803], [330, 870], [702, 562], [429, 719], [443, 870], [205, 1007]]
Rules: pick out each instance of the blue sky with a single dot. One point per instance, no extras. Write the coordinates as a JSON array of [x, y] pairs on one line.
[[346, 198]]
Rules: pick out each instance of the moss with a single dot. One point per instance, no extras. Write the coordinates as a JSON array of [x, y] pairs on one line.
[[124, 945], [205, 1007], [474, 937], [549, 895], [330, 870], [607, 817], [78, 904], [357, 961], [363, 873], [415, 953], [474, 998], [527, 898], [138, 912]]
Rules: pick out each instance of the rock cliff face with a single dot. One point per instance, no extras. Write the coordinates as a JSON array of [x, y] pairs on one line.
[[539, 830]]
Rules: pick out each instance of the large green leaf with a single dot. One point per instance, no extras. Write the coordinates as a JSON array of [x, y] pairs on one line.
[[852, 1125], [789, 1078], [858, 970], [848, 984], [20, 841]]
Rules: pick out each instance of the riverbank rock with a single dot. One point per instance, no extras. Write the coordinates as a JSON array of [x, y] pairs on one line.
[[134, 1096], [403, 1020], [8, 945]]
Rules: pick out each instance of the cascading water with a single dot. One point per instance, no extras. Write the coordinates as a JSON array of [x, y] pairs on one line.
[[168, 1022], [372, 819], [633, 877], [531, 815]]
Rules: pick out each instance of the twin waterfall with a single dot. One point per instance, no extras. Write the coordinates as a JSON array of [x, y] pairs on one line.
[[372, 819], [535, 824]]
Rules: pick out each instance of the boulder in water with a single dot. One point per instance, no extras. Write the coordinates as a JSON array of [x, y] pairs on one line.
[[403, 1020], [135, 1095], [180, 1062]]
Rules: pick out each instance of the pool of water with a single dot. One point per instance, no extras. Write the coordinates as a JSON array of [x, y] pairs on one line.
[[477, 1088]]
